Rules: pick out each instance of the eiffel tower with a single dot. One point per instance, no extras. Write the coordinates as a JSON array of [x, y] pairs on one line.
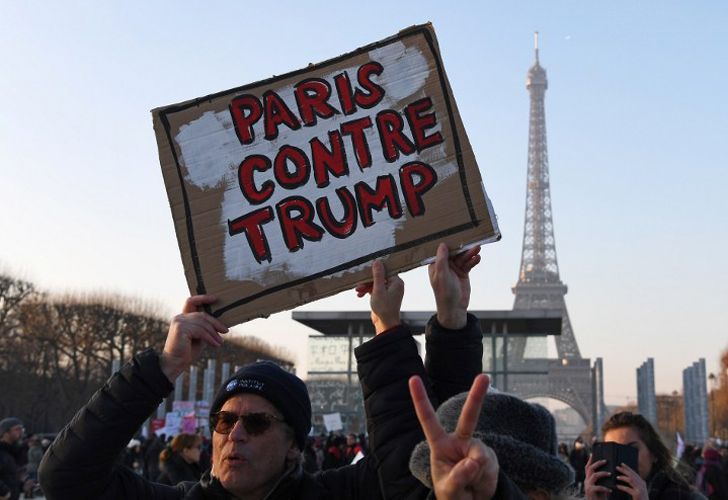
[[569, 378]]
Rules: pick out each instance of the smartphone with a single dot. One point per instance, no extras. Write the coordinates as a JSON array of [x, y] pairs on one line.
[[615, 454]]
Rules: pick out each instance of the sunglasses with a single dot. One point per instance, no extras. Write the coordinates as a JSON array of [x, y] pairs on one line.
[[253, 423]]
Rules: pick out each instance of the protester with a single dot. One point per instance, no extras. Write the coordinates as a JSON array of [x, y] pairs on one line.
[[564, 452], [476, 439], [205, 451], [711, 479], [261, 415], [133, 457], [334, 452], [363, 443], [310, 462], [153, 448], [35, 455], [578, 458], [352, 448], [655, 477], [181, 461], [687, 466], [318, 447], [11, 482]]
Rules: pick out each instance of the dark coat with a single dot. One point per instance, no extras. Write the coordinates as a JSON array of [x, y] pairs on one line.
[[151, 457], [662, 487], [9, 471], [177, 470], [710, 478], [453, 359], [80, 463], [578, 459]]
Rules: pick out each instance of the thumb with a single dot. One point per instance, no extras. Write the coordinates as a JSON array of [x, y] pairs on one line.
[[465, 471], [462, 476]]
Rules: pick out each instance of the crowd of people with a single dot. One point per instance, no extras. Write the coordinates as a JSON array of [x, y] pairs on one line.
[[332, 451], [435, 429], [173, 459]]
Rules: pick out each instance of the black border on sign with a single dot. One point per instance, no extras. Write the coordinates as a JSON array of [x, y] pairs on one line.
[[200, 288]]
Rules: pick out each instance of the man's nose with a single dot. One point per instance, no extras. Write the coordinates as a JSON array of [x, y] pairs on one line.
[[238, 432]]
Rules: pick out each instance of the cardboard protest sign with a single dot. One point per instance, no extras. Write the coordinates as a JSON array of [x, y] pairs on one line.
[[172, 423], [183, 406], [332, 422], [283, 191], [156, 423]]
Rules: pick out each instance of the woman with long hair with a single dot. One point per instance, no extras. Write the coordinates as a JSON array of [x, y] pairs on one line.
[[655, 477], [180, 461]]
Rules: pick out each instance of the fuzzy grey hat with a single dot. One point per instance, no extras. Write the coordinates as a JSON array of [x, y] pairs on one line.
[[522, 434]]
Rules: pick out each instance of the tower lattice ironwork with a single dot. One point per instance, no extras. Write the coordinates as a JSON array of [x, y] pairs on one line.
[[570, 377], [539, 285]]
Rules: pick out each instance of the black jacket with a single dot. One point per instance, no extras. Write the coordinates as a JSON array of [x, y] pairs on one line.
[[453, 359], [177, 470], [81, 461], [9, 471], [661, 487]]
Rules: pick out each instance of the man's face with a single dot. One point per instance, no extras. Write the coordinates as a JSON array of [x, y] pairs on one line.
[[246, 464], [14, 434]]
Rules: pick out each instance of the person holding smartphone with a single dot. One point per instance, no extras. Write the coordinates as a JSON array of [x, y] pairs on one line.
[[655, 477]]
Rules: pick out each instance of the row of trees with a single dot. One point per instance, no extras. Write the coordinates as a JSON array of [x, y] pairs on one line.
[[55, 351], [718, 399], [670, 409]]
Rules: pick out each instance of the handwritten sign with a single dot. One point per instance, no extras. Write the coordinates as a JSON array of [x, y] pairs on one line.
[[332, 422], [284, 191]]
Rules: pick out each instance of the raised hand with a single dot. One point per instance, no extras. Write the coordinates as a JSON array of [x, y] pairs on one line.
[[592, 491], [630, 482], [188, 333], [385, 297], [462, 467], [450, 280]]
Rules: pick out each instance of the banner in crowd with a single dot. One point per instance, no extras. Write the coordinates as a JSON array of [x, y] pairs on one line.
[[285, 190]]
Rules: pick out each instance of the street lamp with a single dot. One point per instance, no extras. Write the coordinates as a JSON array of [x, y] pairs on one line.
[[712, 378]]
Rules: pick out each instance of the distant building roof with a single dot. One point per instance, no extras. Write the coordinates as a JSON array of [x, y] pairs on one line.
[[533, 322]]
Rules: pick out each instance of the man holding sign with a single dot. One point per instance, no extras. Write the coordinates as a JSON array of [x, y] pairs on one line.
[[282, 192], [260, 417]]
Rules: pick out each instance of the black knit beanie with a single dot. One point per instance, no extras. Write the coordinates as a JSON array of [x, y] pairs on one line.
[[287, 392]]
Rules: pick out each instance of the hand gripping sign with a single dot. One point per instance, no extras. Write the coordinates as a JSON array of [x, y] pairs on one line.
[[283, 191]]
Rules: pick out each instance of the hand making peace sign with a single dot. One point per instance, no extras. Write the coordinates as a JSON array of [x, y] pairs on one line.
[[462, 467]]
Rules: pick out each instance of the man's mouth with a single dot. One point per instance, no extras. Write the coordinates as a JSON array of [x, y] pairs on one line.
[[235, 459]]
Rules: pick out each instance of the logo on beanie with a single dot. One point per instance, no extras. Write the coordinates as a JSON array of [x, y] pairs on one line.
[[245, 383]]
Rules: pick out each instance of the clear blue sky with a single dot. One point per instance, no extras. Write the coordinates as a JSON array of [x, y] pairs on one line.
[[636, 118]]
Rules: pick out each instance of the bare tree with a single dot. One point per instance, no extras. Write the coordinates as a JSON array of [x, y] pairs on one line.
[[55, 351], [13, 292], [62, 348], [719, 399]]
